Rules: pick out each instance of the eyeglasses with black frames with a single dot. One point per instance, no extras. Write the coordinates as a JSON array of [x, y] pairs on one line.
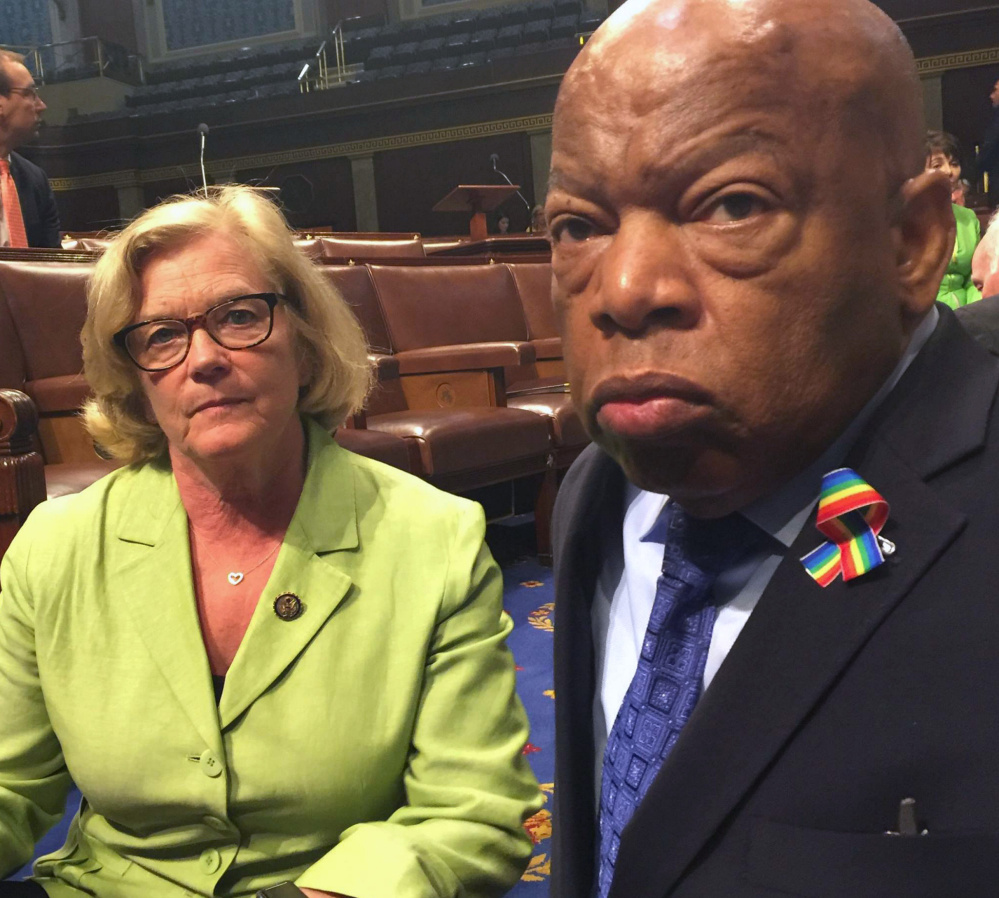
[[237, 323]]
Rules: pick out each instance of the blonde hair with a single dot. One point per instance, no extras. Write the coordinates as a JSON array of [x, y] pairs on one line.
[[329, 340]]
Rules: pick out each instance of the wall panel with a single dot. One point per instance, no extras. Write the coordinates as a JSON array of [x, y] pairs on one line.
[[966, 106], [315, 194], [89, 209], [410, 181]]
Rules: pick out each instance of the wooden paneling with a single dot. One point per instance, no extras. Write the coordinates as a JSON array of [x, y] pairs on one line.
[[455, 389], [316, 194], [410, 181], [967, 110], [158, 191], [90, 209], [66, 440]]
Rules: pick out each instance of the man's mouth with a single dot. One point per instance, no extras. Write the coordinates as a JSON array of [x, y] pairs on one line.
[[649, 406]]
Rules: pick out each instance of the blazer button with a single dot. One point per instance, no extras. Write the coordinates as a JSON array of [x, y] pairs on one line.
[[288, 606], [210, 861], [209, 764], [216, 824]]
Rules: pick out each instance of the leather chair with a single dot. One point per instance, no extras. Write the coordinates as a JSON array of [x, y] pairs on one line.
[[445, 403], [348, 248]]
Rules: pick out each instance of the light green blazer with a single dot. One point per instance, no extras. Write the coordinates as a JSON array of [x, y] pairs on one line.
[[371, 747], [956, 289]]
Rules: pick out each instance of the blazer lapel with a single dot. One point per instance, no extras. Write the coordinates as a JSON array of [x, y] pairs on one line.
[[800, 636], [153, 541], [324, 524]]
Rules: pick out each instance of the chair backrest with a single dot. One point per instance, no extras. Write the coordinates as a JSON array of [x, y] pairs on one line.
[[311, 246], [534, 286], [47, 305], [98, 244], [362, 249], [355, 285], [430, 305]]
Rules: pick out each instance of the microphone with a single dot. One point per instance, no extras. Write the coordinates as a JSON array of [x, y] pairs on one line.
[[494, 159], [203, 131]]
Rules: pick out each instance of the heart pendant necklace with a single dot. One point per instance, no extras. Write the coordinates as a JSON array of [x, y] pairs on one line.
[[236, 577]]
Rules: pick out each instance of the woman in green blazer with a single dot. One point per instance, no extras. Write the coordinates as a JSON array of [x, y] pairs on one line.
[[943, 154], [363, 737]]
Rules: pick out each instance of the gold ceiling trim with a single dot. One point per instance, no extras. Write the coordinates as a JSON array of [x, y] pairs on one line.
[[223, 167], [968, 59]]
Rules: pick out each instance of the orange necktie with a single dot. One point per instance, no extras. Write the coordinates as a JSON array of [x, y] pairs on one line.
[[12, 207]]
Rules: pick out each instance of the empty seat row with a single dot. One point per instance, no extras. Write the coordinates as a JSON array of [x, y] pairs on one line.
[[263, 54], [214, 84]]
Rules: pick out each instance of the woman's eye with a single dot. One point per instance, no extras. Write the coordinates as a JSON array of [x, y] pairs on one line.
[[239, 316], [160, 335]]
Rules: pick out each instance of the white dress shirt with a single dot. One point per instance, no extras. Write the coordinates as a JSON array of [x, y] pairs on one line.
[[626, 586]]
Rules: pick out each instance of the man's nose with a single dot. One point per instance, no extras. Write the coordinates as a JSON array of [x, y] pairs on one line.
[[644, 277]]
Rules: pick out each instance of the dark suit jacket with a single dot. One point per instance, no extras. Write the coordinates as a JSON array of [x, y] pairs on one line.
[[38, 205], [834, 704], [981, 320]]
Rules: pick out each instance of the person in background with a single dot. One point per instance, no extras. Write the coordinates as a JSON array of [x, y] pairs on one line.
[[988, 154], [746, 251], [503, 224], [959, 195], [943, 154], [28, 212], [539, 227], [260, 657]]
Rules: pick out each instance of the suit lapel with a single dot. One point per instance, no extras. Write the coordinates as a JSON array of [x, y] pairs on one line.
[[591, 505], [800, 637], [324, 524], [152, 542]]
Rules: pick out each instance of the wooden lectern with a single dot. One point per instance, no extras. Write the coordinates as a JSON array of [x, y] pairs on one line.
[[477, 199]]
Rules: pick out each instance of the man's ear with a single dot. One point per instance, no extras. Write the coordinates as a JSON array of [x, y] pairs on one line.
[[924, 234]]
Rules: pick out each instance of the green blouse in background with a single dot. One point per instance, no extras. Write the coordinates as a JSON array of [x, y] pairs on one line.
[[956, 288]]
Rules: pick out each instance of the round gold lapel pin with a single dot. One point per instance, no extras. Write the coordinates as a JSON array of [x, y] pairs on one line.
[[288, 606]]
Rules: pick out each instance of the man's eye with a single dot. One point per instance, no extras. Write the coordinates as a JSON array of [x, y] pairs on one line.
[[735, 207], [572, 230]]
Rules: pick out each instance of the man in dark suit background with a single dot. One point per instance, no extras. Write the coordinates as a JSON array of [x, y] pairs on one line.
[[20, 118], [746, 252]]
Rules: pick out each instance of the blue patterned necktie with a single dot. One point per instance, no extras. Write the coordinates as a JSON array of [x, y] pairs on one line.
[[667, 683]]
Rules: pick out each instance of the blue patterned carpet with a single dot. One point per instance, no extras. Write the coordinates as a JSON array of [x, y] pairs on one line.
[[528, 598]]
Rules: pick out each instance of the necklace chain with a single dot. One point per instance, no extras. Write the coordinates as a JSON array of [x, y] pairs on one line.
[[236, 577]]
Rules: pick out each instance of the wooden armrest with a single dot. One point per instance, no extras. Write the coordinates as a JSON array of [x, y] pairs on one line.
[[22, 471]]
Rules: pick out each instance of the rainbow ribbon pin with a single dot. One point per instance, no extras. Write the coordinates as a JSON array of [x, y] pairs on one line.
[[851, 514]]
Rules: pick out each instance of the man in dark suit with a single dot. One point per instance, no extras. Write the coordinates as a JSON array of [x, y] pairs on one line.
[[20, 118], [746, 252]]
